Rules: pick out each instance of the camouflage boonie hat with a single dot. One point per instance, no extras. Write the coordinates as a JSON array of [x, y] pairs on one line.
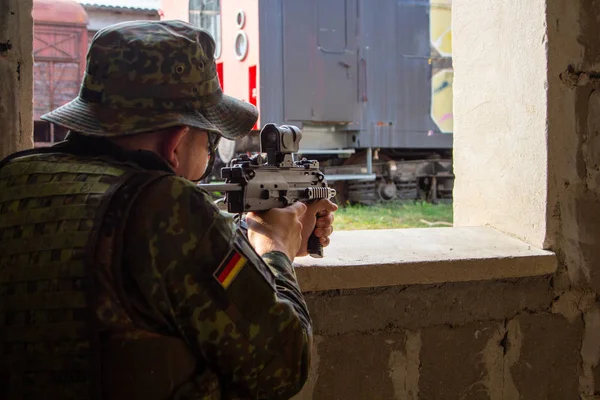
[[148, 75]]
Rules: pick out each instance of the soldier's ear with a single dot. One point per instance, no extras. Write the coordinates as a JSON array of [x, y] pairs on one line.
[[173, 145]]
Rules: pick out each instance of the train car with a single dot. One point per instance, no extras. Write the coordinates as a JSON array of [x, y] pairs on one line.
[[369, 83], [59, 50]]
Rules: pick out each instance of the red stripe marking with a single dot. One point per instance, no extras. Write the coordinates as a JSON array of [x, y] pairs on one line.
[[220, 75], [236, 257], [252, 89]]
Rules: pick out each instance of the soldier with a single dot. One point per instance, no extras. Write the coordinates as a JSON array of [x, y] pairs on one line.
[[119, 277]]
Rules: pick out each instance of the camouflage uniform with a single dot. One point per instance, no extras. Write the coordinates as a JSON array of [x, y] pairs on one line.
[[120, 280]]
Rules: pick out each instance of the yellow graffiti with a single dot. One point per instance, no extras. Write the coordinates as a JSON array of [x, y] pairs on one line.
[[440, 27], [441, 100]]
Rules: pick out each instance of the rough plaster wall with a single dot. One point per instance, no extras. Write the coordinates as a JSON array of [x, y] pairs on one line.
[[477, 340], [574, 172], [16, 76], [556, 63], [500, 116]]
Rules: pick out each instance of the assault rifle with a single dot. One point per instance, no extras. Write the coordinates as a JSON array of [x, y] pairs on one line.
[[257, 184]]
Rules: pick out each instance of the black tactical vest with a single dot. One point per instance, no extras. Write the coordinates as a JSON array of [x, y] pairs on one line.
[[53, 208]]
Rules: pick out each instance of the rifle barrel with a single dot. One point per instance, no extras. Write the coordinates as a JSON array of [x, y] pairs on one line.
[[221, 187]]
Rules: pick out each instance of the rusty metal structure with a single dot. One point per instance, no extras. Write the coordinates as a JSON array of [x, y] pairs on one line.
[[59, 50]]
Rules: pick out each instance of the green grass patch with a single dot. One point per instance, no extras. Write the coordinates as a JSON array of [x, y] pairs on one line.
[[393, 215]]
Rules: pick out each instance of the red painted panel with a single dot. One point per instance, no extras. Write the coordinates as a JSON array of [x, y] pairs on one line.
[[252, 90], [59, 62], [56, 42], [220, 75]]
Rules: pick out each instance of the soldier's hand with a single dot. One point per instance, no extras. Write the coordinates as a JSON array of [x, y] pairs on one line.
[[279, 229], [318, 219]]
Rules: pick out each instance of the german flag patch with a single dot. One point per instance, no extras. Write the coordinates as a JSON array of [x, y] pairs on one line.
[[230, 268]]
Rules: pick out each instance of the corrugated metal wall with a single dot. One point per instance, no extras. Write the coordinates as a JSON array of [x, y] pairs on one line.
[[370, 72]]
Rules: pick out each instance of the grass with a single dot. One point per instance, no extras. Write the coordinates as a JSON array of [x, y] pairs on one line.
[[393, 215], [389, 215]]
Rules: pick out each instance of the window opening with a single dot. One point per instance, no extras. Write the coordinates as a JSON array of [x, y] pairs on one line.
[[206, 14]]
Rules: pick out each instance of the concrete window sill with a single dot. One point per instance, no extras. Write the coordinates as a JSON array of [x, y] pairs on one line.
[[375, 258]]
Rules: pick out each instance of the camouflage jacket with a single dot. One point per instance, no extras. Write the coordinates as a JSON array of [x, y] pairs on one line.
[[196, 276], [187, 272]]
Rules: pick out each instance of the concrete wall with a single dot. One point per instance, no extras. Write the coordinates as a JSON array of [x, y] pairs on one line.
[[16, 71], [495, 340], [574, 168], [500, 106]]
